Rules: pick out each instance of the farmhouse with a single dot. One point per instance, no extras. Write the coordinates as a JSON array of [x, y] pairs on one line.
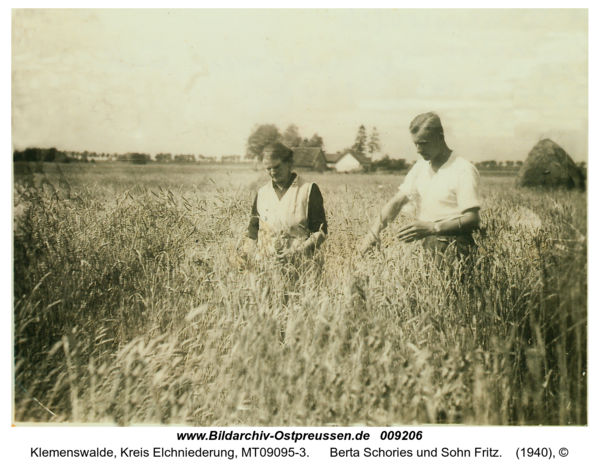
[[309, 158], [350, 161], [332, 159]]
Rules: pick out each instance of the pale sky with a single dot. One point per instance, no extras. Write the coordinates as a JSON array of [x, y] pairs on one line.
[[197, 81]]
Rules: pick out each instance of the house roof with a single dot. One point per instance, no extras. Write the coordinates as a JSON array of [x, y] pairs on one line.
[[361, 159], [306, 156], [333, 157]]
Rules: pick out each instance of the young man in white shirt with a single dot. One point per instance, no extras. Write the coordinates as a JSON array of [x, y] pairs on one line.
[[447, 187]]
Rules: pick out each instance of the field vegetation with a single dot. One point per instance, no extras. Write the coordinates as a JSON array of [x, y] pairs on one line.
[[131, 306]]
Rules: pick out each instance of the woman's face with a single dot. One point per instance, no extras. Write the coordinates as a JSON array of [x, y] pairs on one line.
[[280, 171]]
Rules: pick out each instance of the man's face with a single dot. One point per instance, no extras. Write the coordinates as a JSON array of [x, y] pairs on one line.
[[280, 171], [429, 144]]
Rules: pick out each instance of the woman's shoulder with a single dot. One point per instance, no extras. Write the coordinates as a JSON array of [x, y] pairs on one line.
[[265, 186]]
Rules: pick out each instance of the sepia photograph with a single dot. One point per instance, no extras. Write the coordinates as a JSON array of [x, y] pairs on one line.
[[299, 217]]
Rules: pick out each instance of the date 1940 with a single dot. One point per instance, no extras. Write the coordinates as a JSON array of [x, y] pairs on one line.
[[545, 453]]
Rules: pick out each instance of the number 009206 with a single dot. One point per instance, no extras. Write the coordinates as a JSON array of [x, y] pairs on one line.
[[401, 435]]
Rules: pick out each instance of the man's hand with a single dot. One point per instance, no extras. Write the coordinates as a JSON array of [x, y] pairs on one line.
[[367, 243], [415, 231], [388, 213]]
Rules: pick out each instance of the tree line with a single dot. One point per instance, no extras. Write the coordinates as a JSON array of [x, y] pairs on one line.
[[493, 165], [52, 155], [264, 134]]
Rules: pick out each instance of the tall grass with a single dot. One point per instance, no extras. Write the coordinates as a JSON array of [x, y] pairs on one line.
[[130, 307]]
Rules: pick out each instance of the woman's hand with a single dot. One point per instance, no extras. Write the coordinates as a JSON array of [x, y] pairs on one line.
[[297, 246]]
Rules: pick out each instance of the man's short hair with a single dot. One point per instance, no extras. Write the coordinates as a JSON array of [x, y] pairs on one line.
[[277, 151], [429, 121]]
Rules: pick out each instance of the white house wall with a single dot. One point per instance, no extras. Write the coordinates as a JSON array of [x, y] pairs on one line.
[[347, 163]]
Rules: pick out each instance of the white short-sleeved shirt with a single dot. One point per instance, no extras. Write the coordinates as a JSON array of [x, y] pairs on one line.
[[444, 194]]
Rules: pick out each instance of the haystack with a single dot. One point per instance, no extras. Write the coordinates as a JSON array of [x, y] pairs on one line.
[[548, 165]]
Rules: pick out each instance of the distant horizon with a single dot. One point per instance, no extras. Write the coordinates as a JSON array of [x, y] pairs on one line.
[[414, 157], [243, 158], [198, 81]]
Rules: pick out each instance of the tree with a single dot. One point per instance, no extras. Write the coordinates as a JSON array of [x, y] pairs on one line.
[[29, 155], [374, 145], [164, 158], [316, 141], [489, 165], [184, 159], [360, 142], [139, 158], [260, 137], [291, 137], [388, 164]]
